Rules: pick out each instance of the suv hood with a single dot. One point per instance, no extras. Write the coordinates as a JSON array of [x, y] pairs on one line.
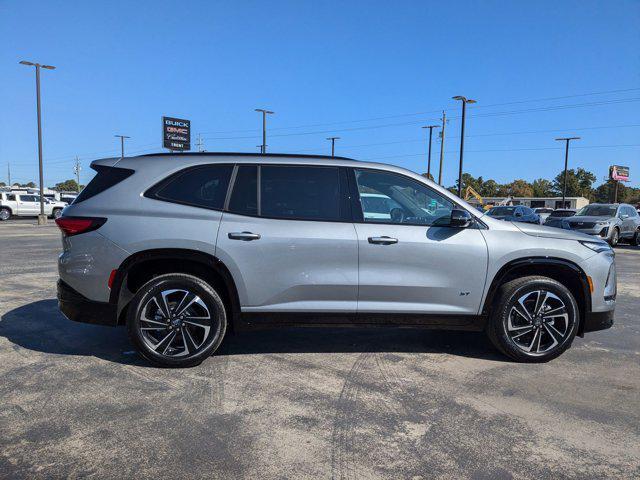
[[550, 232], [589, 219]]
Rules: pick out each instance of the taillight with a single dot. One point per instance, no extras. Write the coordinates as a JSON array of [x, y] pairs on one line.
[[75, 225]]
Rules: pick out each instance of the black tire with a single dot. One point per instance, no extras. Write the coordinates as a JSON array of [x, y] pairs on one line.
[[185, 332], [5, 214], [503, 319], [56, 213], [615, 237]]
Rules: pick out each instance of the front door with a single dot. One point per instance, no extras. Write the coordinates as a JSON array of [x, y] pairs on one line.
[[410, 261], [288, 240], [28, 205]]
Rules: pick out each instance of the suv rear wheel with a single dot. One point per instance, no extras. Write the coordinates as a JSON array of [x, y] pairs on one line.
[[615, 237], [176, 320], [535, 319]]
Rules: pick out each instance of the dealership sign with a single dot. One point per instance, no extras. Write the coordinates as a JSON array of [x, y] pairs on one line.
[[176, 133], [617, 172]]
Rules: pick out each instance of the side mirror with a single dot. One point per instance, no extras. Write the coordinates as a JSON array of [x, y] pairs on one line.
[[624, 216], [460, 218]]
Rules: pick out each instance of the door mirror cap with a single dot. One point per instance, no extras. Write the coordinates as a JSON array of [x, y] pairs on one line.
[[460, 218], [624, 216], [518, 214]]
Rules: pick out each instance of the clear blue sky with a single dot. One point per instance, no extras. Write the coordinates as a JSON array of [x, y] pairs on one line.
[[122, 65]]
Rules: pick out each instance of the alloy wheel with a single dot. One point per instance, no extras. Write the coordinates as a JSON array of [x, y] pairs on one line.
[[177, 323], [4, 214], [538, 322]]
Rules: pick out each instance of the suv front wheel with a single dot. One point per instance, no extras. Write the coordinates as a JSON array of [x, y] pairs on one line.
[[176, 320], [535, 319]]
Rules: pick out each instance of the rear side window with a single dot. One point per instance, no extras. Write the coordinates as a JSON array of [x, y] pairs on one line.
[[300, 192], [204, 186], [106, 177]]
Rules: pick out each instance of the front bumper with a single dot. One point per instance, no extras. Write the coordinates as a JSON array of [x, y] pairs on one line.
[[78, 308], [598, 231]]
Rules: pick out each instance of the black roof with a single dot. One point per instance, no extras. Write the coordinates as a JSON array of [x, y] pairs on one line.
[[244, 154]]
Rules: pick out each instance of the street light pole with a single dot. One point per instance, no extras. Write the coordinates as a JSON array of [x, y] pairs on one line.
[[122, 137], [444, 125], [333, 145], [42, 218], [464, 110], [264, 127], [566, 163], [430, 127]]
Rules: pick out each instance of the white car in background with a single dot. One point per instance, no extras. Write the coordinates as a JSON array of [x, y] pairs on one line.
[[27, 205], [544, 213]]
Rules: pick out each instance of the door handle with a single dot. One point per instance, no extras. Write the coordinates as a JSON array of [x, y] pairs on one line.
[[246, 236], [383, 240]]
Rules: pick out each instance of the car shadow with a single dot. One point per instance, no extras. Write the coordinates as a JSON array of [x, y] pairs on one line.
[[39, 326]]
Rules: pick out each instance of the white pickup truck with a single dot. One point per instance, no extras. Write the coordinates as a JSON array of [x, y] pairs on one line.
[[27, 205]]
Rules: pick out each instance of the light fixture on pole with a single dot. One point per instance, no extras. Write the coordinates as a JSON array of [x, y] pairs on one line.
[[430, 127], [333, 145], [464, 101], [566, 163], [122, 137], [264, 127], [42, 218]]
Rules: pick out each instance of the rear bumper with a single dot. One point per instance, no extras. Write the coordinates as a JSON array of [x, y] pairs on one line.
[[594, 321], [78, 308]]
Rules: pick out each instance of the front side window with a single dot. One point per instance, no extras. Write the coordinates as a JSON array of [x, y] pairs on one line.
[[204, 186], [301, 192], [392, 198]]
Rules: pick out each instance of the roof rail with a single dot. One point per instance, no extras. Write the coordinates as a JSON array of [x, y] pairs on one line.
[[244, 154]]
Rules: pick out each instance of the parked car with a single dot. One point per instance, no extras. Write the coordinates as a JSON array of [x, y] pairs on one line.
[[516, 213], [555, 218], [543, 213], [612, 222], [27, 205], [181, 248]]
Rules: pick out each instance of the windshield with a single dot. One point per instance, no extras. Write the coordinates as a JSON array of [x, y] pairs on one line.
[[499, 211], [597, 211]]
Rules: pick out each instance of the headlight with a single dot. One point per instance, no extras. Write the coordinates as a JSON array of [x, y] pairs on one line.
[[597, 247], [602, 224]]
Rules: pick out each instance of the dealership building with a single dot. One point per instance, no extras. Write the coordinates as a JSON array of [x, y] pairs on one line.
[[536, 202]]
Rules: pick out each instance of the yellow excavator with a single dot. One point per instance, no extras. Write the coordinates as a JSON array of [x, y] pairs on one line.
[[470, 192]]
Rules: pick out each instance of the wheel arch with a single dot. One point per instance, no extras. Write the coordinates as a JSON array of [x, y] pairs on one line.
[[142, 266], [6, 207], [564, 271]]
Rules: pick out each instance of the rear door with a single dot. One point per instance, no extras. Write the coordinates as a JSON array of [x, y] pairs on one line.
[[288, 240], [411, 261], [27, 205]]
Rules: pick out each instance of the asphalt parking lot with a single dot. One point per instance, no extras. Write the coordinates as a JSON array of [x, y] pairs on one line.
[[305, 403]]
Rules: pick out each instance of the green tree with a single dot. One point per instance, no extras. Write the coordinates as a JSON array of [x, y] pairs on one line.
[[489, 188], [27, 185], [579, 183], [542, 188], [2, 184], [67, 185]]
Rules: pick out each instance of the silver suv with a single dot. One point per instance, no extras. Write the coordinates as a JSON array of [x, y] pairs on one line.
[[182, 248], [612, 222]]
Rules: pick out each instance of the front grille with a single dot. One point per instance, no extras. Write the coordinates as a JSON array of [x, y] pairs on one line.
[[581, 225]]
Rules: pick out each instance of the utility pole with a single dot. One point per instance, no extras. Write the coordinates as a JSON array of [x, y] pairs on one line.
[[264, 127], [42, 218], [76, 170], [122, 137], [464, 101], [200, 144], [430, 127], [9, 173], [444, 124], [566, 162], [333, 145]]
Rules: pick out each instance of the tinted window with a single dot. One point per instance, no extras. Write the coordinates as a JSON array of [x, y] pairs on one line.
[[300, 192], [392, 198], [244, 199], [11, 197], [500, 211], [28, 198], [527, 211], [562, 213], [106, 177], [204, 186]]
